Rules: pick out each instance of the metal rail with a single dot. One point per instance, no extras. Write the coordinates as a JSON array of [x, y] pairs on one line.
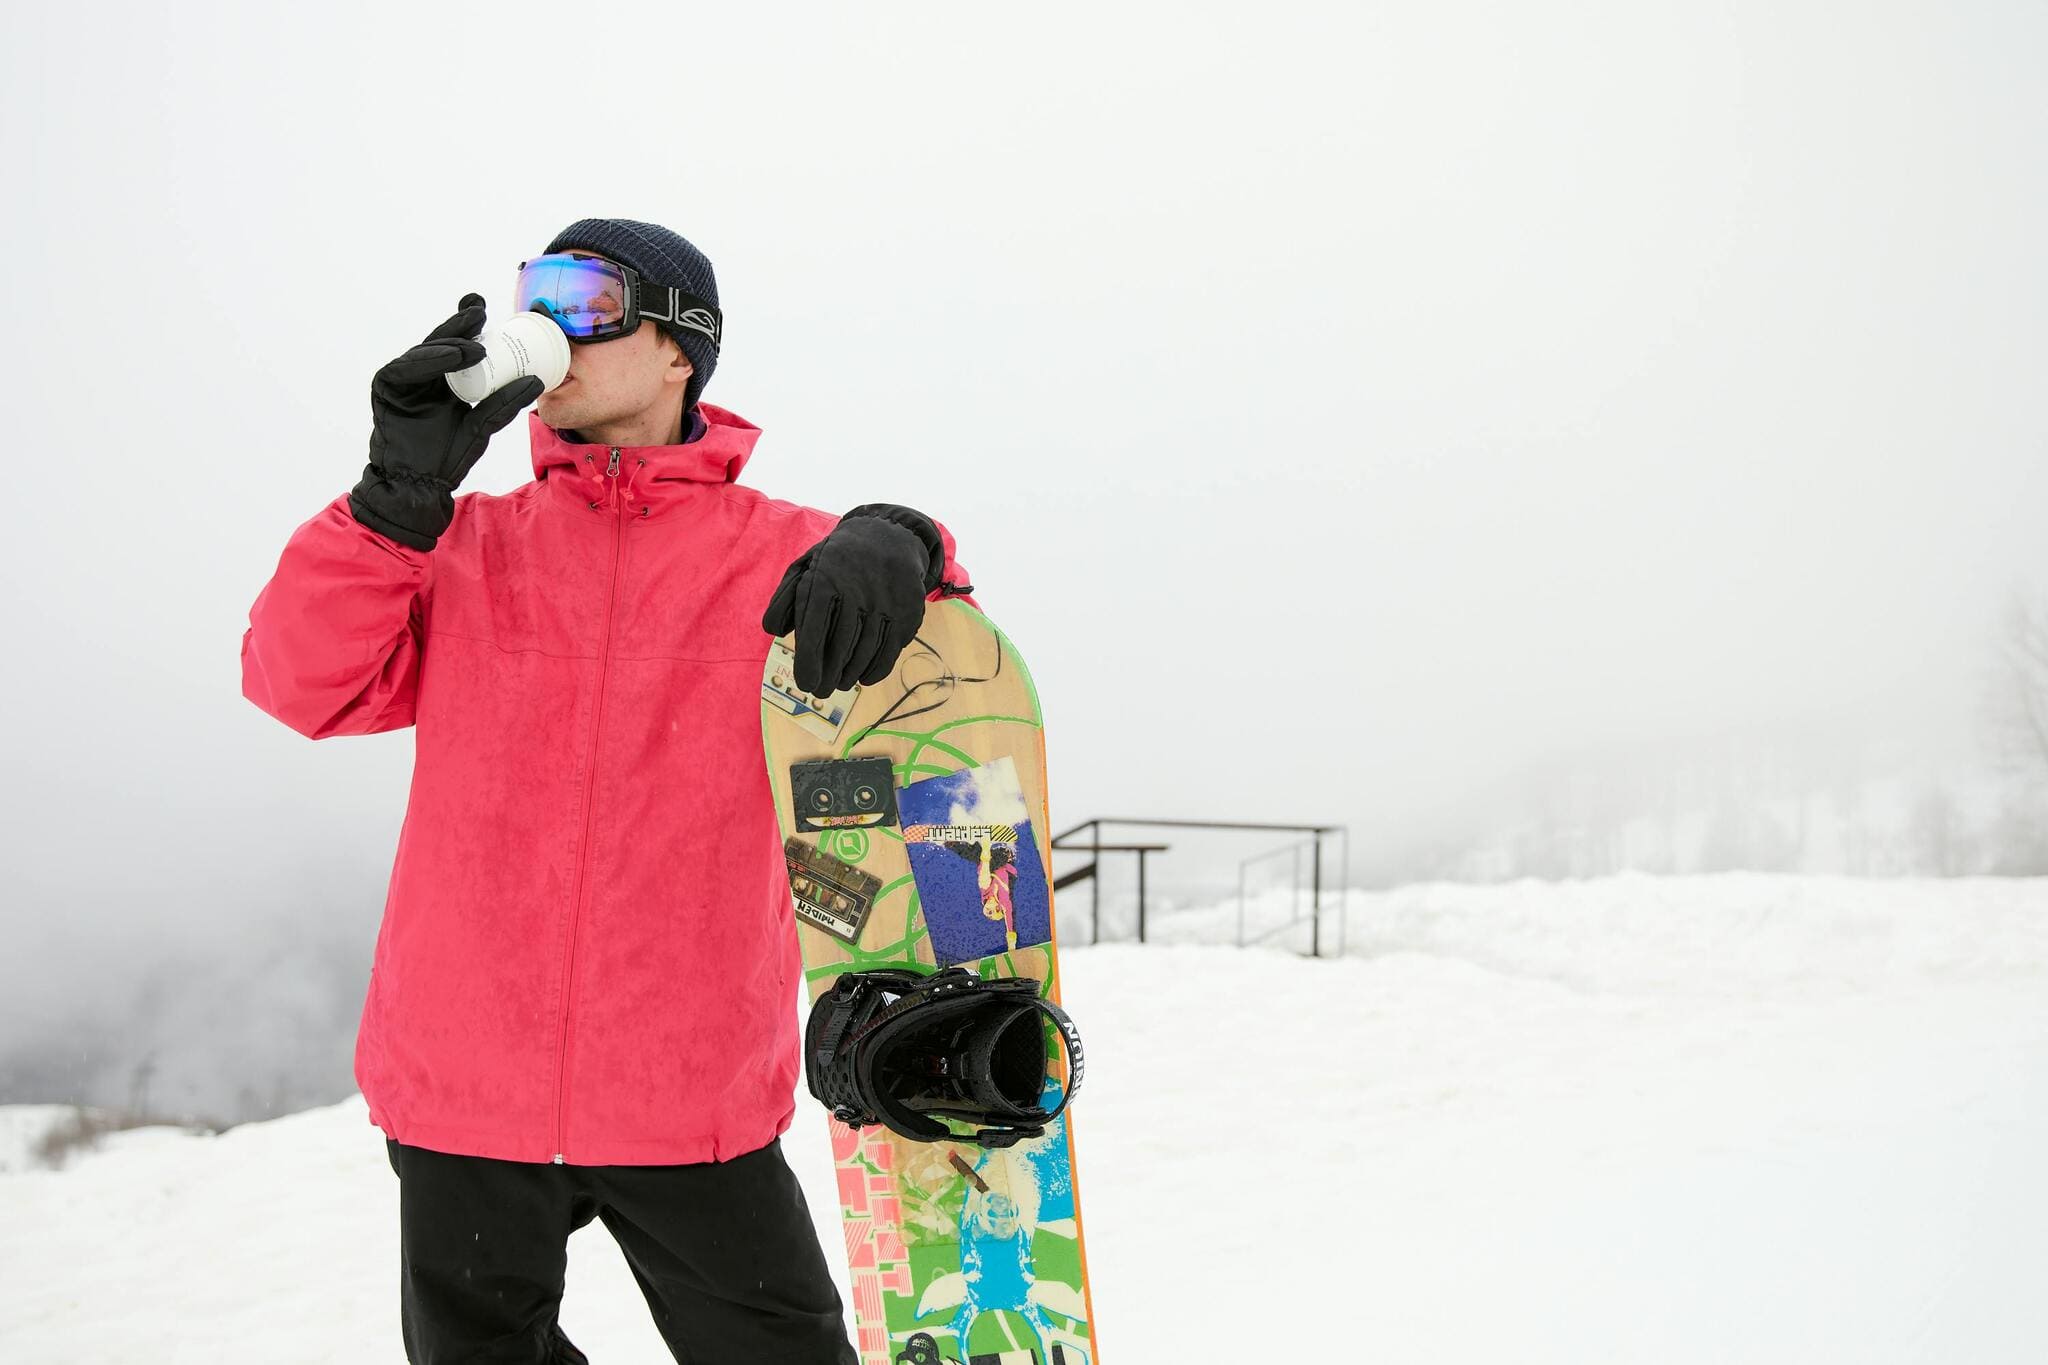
[[1095, 848]]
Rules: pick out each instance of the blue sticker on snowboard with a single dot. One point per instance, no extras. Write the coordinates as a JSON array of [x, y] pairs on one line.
[[976, 863]]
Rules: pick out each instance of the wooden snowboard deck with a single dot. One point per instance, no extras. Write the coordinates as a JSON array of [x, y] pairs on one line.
[[956, 1253]]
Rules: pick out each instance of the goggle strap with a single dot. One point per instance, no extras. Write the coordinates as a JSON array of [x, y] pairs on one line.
[[681, 309]]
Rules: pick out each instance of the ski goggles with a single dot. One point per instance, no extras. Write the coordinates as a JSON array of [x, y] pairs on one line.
[[593, 299]]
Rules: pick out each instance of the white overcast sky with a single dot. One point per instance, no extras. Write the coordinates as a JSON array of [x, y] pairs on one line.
[[1340, 404]]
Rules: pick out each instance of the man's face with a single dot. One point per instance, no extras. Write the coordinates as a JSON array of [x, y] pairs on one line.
[[617, 380]]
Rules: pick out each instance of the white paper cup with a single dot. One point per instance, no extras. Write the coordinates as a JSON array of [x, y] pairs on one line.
[[526, 343]]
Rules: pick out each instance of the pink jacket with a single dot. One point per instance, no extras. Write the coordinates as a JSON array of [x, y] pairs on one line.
[[587, 953]]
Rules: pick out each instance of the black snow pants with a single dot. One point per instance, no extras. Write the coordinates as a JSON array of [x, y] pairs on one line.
[[724, 1252]]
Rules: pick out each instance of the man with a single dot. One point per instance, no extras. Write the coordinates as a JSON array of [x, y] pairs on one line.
[[582, 1000]]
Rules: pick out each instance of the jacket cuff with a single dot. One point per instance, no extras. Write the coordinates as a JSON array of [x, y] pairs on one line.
[[916, 522]]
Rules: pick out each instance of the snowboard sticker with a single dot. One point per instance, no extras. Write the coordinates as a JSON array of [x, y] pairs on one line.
[[820, 717], [973, 853], [830, 894], [843, 793]]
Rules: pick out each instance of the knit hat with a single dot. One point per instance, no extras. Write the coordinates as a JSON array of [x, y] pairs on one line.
[[659, 257]]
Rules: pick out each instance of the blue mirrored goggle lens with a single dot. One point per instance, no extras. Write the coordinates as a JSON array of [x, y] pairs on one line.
[[586, 297]]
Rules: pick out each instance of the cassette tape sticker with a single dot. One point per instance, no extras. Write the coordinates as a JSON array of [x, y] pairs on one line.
[[841, 793], [831, 894], [975, 860], [820, 717]]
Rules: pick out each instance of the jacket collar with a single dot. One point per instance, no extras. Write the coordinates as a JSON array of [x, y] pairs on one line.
[[651, 479]]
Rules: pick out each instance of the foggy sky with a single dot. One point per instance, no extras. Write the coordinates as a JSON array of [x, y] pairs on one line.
[[1342, 407]]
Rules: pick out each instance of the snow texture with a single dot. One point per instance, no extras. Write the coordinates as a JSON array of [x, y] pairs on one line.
[[1729, 1118]]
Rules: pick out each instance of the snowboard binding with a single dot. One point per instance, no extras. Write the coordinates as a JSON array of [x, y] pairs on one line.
[[901, 1048]]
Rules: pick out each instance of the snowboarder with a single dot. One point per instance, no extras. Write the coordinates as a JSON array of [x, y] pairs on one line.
[[581, 999]]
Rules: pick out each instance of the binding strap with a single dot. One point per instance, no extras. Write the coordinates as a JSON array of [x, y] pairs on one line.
[[851, 1038]]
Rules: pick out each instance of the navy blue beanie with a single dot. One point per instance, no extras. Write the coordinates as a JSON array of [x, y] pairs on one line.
[[660, 257]]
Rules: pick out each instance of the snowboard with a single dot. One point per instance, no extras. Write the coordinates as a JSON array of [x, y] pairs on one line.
[[913, 815]]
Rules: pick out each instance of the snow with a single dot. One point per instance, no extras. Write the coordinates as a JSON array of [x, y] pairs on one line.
[[21, 1126], [1738, 1117]]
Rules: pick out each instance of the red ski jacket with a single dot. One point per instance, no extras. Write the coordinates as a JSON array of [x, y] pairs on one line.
[[588, 952]]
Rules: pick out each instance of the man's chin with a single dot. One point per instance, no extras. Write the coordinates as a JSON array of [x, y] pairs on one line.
[[554, 411]]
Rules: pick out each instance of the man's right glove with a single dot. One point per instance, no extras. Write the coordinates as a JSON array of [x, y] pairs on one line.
[[423, 439]]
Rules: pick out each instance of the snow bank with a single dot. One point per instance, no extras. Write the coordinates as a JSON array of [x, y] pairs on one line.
[[1731, 932]]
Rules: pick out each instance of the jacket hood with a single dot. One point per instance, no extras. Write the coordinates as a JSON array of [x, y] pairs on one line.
[[649, 476]]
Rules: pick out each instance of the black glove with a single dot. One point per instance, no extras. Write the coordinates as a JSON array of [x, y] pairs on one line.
[[856, 598], [423, 439]]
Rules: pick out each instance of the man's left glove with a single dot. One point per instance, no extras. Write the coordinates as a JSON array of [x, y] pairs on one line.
[[856, 598]]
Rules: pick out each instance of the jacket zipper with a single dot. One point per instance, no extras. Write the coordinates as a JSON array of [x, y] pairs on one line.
[[604, 655]]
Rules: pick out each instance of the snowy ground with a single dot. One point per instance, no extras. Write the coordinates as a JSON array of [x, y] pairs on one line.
[[1735, 1118]]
